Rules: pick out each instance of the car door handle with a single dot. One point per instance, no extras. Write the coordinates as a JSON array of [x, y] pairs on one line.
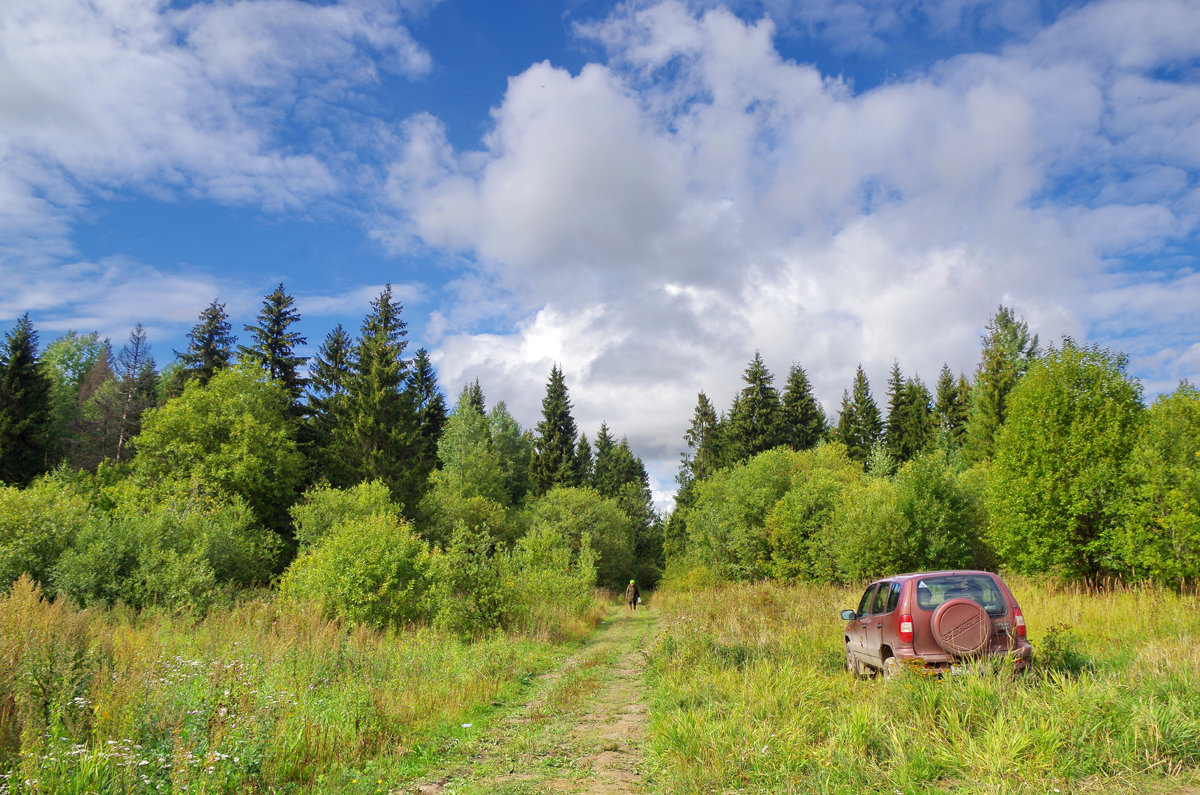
[[879, 626]]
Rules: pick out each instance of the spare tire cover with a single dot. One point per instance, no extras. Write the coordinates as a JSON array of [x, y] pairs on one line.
[[961, 626]]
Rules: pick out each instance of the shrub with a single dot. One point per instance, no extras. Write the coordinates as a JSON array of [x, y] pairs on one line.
[[37, 525], [322, 507], [572, 513], [170, 556], [373, 571]]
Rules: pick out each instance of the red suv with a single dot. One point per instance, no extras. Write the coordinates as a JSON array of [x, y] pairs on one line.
[[934, 620]]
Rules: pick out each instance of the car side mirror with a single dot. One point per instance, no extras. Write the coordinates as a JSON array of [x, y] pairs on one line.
[[849, 615]]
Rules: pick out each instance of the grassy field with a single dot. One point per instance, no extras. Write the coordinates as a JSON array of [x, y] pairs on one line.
[[253, 699], [748, 693]]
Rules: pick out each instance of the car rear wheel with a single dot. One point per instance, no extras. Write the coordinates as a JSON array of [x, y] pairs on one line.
[[891, 668]]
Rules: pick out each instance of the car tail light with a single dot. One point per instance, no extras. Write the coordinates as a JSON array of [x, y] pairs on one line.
[[1020, 622], [906, 628]]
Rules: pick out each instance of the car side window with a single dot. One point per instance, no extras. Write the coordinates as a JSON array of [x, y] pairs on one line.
[[880, 601], [864, 604], [893, 598]]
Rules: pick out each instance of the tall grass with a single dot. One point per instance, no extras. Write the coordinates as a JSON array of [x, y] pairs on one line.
[[253, 699], [749, 695]]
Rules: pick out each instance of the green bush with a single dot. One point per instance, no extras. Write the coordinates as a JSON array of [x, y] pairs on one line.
[[373, 571], [37, 525], [322, 507], [170, 556], [574, 513], [796, 525]]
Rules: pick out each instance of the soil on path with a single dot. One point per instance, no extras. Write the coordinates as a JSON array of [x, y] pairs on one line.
[[581, 732]]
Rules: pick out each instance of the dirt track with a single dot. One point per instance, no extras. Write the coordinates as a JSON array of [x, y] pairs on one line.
[[580, 732]]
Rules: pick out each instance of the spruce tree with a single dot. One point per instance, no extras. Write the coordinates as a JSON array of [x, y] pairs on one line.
[[25, 409], [950, 410], [859, 425], [703, 456], [274, 345], [894, 428], [909, 423], [381, 420], [803, 417], [472, 394], [430, 407], [604, 468], [583, 460], [327, 429], [755, 420], [1008, 352], [553, 462], [210, 345]]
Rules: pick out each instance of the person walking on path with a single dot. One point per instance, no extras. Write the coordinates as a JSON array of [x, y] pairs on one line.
[[632, 595]]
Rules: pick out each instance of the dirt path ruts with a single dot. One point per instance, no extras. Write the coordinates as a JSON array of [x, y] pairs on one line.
[[580, 732]]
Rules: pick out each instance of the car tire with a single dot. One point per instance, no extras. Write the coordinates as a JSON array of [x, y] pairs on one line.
[[851, 662], [891, 668]]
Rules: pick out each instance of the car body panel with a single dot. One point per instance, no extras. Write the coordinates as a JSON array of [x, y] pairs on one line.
[[874, 636]]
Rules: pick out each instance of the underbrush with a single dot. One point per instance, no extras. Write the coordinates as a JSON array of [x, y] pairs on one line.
[[263, 697], [749, 694]]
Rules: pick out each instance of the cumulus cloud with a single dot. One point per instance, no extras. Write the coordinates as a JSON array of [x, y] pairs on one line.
[[133, 95], [660, 216]]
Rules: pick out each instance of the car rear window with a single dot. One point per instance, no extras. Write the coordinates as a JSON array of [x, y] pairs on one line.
[[979, 588]]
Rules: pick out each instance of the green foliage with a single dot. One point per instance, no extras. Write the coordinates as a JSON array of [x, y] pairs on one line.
[[471, 595], [704, 454], [727, 522], [859, 425], [553, 462], [173, 555], [322, 507], [328, 407], [210, 345], [445, 510], [231, 437], [1161, 539], [514, 449], [25, 407], [274, 344], [802, 417], [1058, 478], [578, 513], [372, 571], [950, 410], [471, 466], [1008, 353], [37, 525], [755, 422], [430, 408], [379, 432], [801, 546]]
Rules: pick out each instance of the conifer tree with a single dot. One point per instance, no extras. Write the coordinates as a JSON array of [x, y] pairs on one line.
[[328, 397], [859, 425], [604, 468], [894, 429], [430, 407], [1008, 352], [703, 456], [210, 345], [755, 420], [583, 460], [803, 417], [381, 420], [950, 410], [553, 463], [909, 423], [473, 394], [274, 345], [25, 409]]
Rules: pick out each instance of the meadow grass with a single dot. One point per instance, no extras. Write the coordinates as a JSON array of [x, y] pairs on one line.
[[257, 698], [749, 694]]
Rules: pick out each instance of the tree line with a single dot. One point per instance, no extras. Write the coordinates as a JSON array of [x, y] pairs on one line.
[[235, 464], [1045, 462]]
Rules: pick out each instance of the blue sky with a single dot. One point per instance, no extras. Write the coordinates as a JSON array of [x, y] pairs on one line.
[[645, 193]]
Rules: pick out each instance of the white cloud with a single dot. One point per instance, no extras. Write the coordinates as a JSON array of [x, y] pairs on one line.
[[134, 95], [698, 197]]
